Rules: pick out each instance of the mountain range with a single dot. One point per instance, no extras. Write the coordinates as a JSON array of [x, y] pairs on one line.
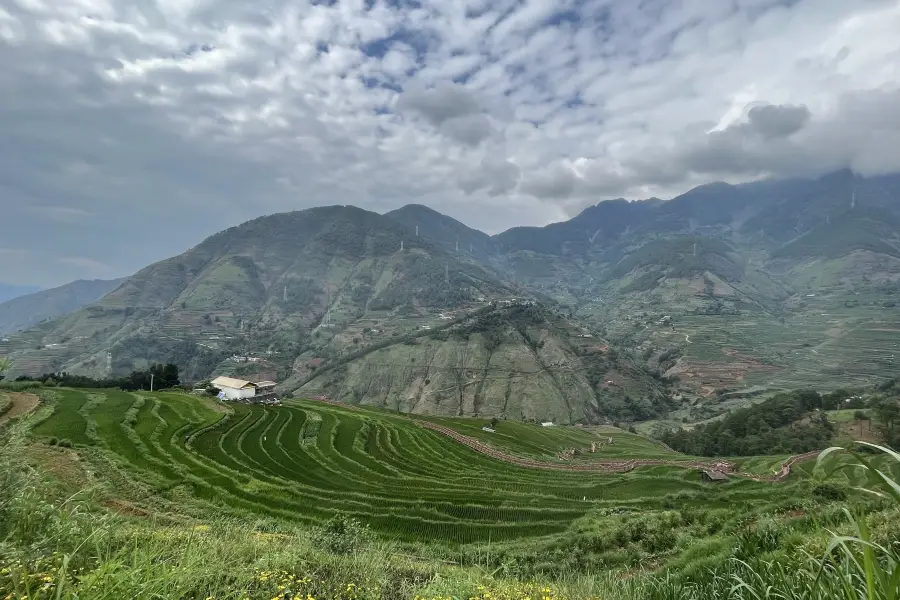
[[30, 309], [630, 310], [8, 292]]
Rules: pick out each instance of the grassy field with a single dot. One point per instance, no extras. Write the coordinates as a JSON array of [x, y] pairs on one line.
[[308, 461], [228, 502]]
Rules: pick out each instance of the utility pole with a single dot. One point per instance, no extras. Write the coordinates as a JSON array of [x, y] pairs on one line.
[[447, 274], [401, 245], [417, 231], [285, 294], [151, 382]]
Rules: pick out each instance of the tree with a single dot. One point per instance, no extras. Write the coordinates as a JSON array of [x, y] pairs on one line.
[[5, 365], [887, 413], [494, 422], [861, 416]]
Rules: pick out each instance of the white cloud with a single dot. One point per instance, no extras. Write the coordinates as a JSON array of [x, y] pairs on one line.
[[122, 118]]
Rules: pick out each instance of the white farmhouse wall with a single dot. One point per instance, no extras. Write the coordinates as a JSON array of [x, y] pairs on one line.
[[237, 394]]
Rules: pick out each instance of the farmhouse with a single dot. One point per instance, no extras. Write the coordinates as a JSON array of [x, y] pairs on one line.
[[262, 392]]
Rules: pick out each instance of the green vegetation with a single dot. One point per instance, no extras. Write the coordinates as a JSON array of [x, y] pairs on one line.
[[248, 514], [770, 427], [356, 462], [157, 377]]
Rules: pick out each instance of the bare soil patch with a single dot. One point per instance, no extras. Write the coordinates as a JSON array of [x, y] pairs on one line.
[[64, 465], [22, 403]]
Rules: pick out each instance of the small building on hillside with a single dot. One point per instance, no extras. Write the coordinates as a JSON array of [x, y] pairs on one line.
[[240, 390], [709, 475], [233, 389], [265, 391]]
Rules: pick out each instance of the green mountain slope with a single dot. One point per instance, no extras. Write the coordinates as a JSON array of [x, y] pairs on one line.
[[522, 361], [763, 286], [260, 287], [768, 285], [443, 231]]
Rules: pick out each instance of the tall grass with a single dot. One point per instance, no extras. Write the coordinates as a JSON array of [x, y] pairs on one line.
[[860, 561], [20, 386]]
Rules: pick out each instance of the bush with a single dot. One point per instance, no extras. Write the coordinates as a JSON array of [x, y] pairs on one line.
[[65, 443], [342, 535], [829, 492], [53, 441]]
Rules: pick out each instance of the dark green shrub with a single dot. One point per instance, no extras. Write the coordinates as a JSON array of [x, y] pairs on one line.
[[342, 535], [829, 492], [65, 443]]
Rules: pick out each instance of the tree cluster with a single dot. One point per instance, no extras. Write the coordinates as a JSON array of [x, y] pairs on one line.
[[784, 424], [163, 377]]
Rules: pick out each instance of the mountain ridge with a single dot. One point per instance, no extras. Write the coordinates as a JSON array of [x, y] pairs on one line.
[[25, 311], [764, 285]]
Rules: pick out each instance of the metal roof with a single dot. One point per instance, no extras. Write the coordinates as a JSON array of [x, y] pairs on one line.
[[230, 382], [264, 383]]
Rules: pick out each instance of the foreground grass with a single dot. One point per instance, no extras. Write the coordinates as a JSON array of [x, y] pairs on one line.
[[57, 545]]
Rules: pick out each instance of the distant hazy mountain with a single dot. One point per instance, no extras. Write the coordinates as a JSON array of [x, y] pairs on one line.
[[25, 311], [8, 292]]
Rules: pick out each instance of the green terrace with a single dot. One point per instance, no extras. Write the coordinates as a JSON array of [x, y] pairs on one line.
[[307, 461]]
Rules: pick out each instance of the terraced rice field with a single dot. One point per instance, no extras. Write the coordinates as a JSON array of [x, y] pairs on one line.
[[307, 461], [827, 346]]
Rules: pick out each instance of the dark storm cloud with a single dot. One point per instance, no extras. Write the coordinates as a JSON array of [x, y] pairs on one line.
[[777, 121], [441, 103]]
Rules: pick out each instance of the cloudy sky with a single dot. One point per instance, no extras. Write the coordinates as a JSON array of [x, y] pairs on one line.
[[131, 129]]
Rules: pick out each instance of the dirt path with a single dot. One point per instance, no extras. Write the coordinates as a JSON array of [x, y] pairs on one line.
[[614, 466], [21, 404]]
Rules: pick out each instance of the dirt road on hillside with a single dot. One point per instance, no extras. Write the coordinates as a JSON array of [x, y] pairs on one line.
[[21, 404]]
